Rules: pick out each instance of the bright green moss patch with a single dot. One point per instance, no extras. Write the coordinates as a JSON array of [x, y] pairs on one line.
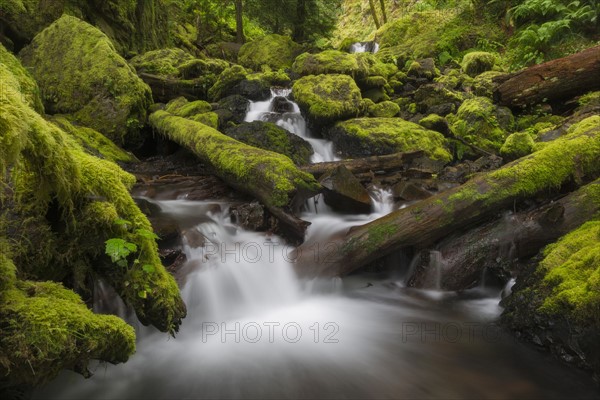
[[477, 62], [182, 108], [226, 81], [80, 73], [517, 145], [477, 121], [572, 274], [47, 328], [378, 136], [591, 98], [177, 63], [272, 178], [94, 142], [385, 109], [274, 51], [26, 84], [327, 98]]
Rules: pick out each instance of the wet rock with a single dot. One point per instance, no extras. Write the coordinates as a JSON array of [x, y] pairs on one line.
[[435, 98], [424, 68], [409, 191], [281, 105], [250, 216], [254, 89], [344, 192], [268, 136], [232, 108]]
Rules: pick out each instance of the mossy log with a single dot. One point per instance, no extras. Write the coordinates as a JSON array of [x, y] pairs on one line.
[[572, 158], [388, 163], [552, 81], [513, 237], [270, 177], [166, 88]]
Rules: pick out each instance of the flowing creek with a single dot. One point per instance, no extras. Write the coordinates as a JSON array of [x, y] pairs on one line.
[[255, 330]]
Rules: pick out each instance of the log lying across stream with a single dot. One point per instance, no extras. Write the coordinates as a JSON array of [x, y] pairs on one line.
[[573, 158], [555, 80], [271, 178]]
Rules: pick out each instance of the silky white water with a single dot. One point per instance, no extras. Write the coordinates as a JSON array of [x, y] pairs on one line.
[[292, 121]]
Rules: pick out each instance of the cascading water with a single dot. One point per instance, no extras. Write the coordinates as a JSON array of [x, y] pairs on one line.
[[280, 110], [364, 47], [255, 330]]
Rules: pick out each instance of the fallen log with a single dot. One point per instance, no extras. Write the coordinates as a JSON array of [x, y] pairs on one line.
[[497, 245], [271, 178], [569, 159], [388, 163], [552, 81], [165, 89]]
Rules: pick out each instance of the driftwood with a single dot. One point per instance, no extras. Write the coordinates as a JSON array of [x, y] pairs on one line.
[[387, 163], [496, 245], [572, 158], [267, 176], [165, 89], [553, 81]]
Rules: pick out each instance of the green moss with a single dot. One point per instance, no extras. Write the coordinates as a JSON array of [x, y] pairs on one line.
[[434, 122], [517, 145], [272, 78], [591, 98], [274, 51], [572, 274], [226, 81], [209, 119], [378, 234], [47, 328], [327, 98], [94, 142], [483, 84], [385, 109], [80, 73], [26, 84], [237, 162], [378, 136], [177, 63], [477, 62], [477, 122], [182, 108]]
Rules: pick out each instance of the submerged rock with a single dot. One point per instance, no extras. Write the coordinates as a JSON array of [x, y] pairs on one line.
[[362, 137], [80, 73], [344, 192], [268, 136]]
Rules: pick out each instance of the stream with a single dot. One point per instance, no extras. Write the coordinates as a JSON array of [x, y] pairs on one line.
[[255, 330]]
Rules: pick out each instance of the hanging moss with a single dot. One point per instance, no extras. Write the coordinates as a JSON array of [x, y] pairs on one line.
[[379, 136], [273, 51], [80, 73], [327, 98]]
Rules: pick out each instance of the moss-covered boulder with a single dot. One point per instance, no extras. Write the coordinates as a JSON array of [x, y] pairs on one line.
[[479, 122], [327, 98], [268, 136], [436, 98], [517, 145], [80, 73], [132, 25], [177, 63], [477, 62], [236, 80], [363, 137], [360, 66], [436, 123], [385, 109], [483, 84], [25, 83], [273, 51]]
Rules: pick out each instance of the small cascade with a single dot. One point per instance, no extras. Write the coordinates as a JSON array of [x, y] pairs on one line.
[[280, 110], [365, 47], [382, 200]]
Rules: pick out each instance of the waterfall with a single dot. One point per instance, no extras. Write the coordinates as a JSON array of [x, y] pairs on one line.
[[285, 113], [364, 47]]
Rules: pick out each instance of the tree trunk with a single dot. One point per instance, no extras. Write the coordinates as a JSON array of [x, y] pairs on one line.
[[553, 81], [239, 22], [387, 163], [383, 12], [562, 161], [267, 176], [299, 24], [374, 13], [496, 245]]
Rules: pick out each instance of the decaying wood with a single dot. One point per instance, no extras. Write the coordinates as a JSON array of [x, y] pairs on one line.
[[552, 81]]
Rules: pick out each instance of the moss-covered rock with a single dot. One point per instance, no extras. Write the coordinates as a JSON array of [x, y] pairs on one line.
[[268, 136], [385, 109], [360, 66], [517, 145], [132, 25], [183, 108], [94, 142], [363, 137], [274, 51], [80, 73], [436, 123], [327, 98], [481, 123], [227, 81], [27, 86], [435, 98], [177, 63], [424, 68], [477, 62], [483, 84]]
